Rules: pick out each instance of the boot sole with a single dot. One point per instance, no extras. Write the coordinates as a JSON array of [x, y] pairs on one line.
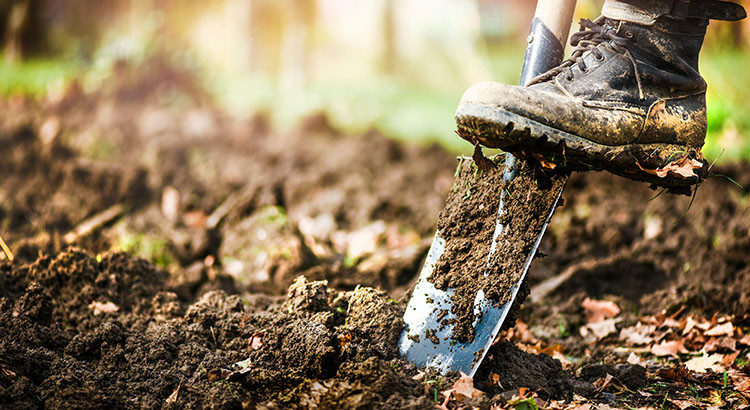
[[494, 127]]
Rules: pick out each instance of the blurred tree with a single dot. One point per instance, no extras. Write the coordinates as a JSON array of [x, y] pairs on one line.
[[282, 40]]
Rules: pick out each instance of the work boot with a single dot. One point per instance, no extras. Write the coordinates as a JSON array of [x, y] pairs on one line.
[[629, 100]]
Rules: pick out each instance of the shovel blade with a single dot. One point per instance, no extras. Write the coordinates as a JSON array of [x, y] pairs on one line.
[[427, 339]]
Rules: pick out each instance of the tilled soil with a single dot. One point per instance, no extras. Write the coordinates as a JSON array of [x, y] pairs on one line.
[[230, 213]]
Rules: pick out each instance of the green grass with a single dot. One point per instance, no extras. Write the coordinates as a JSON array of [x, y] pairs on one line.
[[34, 77]]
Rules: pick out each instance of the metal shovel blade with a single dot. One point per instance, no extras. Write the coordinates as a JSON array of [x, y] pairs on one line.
[[428, 338], [425, 313]]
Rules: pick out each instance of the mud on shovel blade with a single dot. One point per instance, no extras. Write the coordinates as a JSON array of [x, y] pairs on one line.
[[428, 339]]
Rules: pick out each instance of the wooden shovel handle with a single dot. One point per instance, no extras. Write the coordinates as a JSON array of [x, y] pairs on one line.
[[557, 15]]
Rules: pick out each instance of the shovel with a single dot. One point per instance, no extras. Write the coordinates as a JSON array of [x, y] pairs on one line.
[[437, 333]]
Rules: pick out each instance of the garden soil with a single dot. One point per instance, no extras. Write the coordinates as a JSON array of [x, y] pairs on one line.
[[268, 268]]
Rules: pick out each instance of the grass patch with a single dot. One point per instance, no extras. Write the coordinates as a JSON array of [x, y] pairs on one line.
[[34, 77]]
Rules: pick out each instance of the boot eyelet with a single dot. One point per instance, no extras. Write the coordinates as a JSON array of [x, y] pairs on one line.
[[569, 78], [599, 57]]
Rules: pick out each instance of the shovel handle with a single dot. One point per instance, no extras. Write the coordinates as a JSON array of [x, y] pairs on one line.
[[557, 15], [547, 37]]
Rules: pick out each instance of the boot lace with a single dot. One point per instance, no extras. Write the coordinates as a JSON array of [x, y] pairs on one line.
[[588, 38]]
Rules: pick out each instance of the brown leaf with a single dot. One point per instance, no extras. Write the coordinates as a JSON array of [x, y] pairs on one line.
[[720, 344], [703, 363], [689, 325], [464, 388], [679, 373], [668, 348], [741, 382], [684, 168], [495, 379], [599, 330], [685, 404], [598, 310], [724, 329], [639, 334], [173, 397], [603, 382], [256, 341]]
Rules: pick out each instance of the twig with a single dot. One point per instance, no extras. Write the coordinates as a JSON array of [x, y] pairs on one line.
[[546, 287], [91, 224], [6, 249], [233, 201]]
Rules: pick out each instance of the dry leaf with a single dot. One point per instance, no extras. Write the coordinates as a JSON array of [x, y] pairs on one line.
[[256, 341], [598, 310], [741, 383], [683, 168], [722, 344], [495, 379], [703, 363], [685, 404], [600, 330], [668, 348], [639, 334], [689, 325], [99, 307], [173, 397], [679, 373], [603, 382], [634, 358], [419, 376], [725, 329], [464, 388]]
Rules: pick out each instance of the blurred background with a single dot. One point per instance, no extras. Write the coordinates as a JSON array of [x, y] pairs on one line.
[[399, 66]]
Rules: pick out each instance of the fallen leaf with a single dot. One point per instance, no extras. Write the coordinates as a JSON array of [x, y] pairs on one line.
[[639, 334], [684, 168], [463, 388], [634, 358], [522, 333], [668, 348], [256, 341], [543, 161], [725, 329], [603, 382], [685, 404], [741, 383], [689, 325], [99, 307], [173, 397], [679, 373], [703, 363], [745, 341], [218, 374], [720, 344], [600, 330], [419, 376], [495, 379], [598, 310]]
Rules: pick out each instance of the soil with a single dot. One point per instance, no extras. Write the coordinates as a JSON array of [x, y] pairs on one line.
[[468, 224], [263, 275]]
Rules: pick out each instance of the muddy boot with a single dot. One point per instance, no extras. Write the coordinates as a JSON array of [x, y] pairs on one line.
[[630, 99]]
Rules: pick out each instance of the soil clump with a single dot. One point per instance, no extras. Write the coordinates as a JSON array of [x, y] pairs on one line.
[[468, 224]]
